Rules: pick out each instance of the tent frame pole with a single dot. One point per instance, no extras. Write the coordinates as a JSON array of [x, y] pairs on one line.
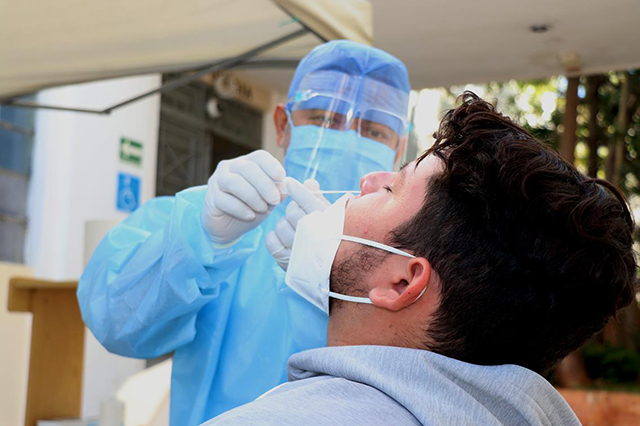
[[176, 83], [295, 18]]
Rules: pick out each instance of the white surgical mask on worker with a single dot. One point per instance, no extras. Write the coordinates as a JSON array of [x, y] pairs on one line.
[[315, 245]]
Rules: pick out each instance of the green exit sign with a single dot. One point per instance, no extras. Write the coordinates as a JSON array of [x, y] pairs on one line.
[[131, 151]]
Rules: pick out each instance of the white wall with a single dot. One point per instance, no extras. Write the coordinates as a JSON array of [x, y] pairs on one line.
[[75, 167], [74, 180]]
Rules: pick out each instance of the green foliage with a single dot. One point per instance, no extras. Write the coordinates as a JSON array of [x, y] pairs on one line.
[[611, 365], [538, 106]]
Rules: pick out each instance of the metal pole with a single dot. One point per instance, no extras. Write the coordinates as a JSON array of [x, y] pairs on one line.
[[217, 66], [31, 104], [269, 63], [294, 17]]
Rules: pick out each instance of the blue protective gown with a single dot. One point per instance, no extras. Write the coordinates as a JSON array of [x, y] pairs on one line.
[[156, 285]]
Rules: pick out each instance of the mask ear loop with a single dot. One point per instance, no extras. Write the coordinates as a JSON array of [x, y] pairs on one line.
[[354, 299], [310, 172], [357, 299], [377, 245]]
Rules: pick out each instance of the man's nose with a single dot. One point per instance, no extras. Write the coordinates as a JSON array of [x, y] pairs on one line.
[[374, 181]]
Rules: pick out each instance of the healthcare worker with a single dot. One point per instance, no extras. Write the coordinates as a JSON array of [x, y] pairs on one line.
[[193, 274]]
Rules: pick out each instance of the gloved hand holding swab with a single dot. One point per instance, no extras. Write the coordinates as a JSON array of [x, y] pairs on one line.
[[305, 198]]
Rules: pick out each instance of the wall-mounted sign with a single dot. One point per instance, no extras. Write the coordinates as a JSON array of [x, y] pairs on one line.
[[131, 151], [229, 86], [128, 192]]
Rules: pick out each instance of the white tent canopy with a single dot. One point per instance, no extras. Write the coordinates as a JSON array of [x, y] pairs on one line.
[[45, 44]]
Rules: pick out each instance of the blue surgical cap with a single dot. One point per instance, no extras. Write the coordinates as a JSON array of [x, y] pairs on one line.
[[355, 59]]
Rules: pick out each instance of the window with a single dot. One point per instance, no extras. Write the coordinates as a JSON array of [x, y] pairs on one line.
[[16, 141]]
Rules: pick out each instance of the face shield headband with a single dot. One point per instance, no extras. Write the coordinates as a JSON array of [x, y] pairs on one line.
[[338, 99]]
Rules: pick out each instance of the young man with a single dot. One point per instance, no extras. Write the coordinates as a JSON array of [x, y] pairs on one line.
[[477, 267], [194, 274]]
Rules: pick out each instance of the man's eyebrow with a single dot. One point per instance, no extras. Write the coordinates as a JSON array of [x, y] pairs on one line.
[[401, 174]]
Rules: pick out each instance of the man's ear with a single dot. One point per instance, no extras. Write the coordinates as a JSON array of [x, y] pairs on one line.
[[402, 146], [405, 288], [281, 121]]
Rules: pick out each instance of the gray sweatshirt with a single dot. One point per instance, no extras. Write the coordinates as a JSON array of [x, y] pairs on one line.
[[383, 385]]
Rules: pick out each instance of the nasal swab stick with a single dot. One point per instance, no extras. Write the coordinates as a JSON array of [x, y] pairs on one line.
[[283, 190], [336, 192]]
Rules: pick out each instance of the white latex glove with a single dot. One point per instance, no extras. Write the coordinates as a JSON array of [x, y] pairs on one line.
[[240, 195], [303, 202]]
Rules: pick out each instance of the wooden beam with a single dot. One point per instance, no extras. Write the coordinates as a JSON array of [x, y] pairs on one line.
[[21, 288], [57, 347]]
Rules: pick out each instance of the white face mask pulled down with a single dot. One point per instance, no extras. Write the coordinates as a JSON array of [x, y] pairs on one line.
[[314, 249]]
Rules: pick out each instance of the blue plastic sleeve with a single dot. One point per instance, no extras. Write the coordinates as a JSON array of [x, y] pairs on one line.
[[149, 277]]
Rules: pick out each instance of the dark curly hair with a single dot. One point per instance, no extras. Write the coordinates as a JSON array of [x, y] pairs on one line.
[[533, 256]]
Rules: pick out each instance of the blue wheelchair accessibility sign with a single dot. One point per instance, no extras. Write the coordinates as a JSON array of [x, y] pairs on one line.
[[128, 192]]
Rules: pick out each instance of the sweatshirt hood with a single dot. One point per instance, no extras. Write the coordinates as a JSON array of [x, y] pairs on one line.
[[436, 389]]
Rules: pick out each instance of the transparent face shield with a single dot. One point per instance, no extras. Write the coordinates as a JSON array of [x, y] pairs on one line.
[[343, 127]]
